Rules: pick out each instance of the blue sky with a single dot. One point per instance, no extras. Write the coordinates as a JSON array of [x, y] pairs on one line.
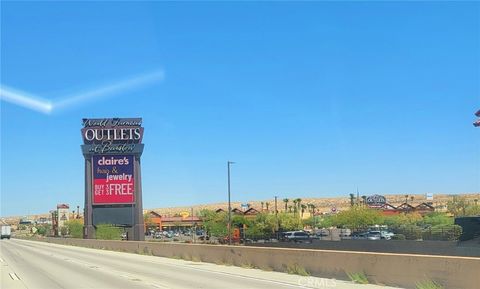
[[310, 99]]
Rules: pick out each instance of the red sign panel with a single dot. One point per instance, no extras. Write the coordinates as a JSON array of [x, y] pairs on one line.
[[113, 179]]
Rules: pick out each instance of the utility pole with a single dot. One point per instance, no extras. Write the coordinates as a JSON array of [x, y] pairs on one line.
[[276, 216], [229, 206], [358, 197], [194, 229]]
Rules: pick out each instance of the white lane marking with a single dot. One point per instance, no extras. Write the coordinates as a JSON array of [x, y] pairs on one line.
[[158, 286], [14, 276], [125, 276], [182, 266], [2, 261]]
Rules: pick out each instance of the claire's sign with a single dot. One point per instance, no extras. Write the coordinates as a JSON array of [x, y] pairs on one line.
[[113, 179]]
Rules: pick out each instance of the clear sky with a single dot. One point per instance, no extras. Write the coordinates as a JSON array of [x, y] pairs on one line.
[[309, 99]]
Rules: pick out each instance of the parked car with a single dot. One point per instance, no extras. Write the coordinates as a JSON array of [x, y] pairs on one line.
[[322, 233], [296, 236], [345, 232], [204, 238], [386, 235], [359, 235], [374, 235]]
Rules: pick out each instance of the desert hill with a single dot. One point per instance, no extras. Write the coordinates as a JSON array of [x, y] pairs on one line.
[[322, 204]]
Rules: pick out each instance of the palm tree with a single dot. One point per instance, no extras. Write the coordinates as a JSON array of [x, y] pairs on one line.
[[286, 204], [364, 198], [406, 199], [411, 198], [310, 208], [303, 206], [262, 206], [267, 204], [298, 203], [295, 206], [290, 208], [352, 196]]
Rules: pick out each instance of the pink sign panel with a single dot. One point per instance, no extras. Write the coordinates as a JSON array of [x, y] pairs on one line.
[[113, 179]]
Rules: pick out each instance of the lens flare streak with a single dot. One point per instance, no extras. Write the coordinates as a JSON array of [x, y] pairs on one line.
[[46, 106]]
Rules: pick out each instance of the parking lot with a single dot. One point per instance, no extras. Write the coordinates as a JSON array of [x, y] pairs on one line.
[[184, 236]]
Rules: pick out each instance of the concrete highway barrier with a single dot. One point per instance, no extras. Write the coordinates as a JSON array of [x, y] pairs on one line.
[[403, 270], [442, 248]]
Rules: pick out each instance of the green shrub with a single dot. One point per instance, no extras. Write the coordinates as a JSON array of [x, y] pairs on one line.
[[63, 231], [215, 223], [357, 217], [297, 270], [398, 237], [43, 230], [411, 232], [428, 285], [359, 278], [108, 232], [437, 218], [75, 228]]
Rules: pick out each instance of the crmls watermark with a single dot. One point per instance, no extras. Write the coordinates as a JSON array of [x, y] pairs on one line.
[[313, 282]]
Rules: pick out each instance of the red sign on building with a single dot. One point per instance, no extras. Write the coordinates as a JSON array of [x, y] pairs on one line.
[[113, 179]]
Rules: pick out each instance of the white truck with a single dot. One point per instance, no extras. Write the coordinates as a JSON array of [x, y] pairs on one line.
[[6, 231]]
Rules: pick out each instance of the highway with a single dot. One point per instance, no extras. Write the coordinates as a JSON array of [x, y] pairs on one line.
[[30, 264]]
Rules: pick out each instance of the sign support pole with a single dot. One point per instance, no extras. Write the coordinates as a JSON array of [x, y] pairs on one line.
[[139, 227], [89, 230]]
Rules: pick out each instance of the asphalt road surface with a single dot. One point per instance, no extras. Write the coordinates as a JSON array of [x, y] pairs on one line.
[[30, 264]]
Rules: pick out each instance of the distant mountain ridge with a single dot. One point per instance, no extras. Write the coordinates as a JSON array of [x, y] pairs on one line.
[[323, 204]]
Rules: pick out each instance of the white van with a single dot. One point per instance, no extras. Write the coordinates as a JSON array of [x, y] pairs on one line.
[[6, 232]]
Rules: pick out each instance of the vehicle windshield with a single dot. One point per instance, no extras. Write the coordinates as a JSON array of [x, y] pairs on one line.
[[207, 144]]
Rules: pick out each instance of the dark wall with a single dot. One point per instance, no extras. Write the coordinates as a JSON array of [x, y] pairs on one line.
[[120, 216], [470, 227], [445, 248]]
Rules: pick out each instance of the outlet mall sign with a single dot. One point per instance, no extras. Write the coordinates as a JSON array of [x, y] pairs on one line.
[[112, 145], [112, 136]]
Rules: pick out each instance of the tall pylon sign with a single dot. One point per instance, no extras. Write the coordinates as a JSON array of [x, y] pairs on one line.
[[112, 148]]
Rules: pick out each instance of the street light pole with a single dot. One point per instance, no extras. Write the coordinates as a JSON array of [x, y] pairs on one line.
[[276, 210], [193, 228], [229, 206], [276, 216]]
